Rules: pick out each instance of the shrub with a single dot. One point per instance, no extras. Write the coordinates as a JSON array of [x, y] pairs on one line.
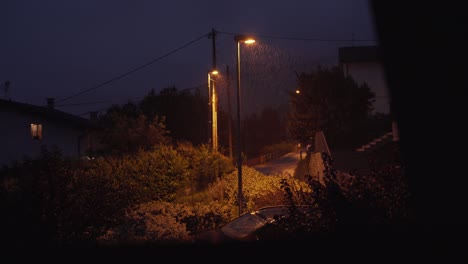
[[205, 166], [61, 200], [166, 223], [352, 203], [258, 189]]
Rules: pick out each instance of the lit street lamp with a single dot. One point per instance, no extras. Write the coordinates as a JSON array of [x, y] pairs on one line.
[[247, 40], [213, 101]]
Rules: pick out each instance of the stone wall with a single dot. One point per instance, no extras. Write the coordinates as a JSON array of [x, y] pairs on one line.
[[316, 166]]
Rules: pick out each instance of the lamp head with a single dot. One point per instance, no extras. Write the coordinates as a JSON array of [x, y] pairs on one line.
[[244, 38]]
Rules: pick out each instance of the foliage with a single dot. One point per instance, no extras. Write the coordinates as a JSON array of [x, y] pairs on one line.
[[125, 199], [302, 168], [350, 203], [127, 130], [166, 223], [330, 102], [31, 198], [205, 165], [266, 129], [186, 113], [258, 190], [61, 200]]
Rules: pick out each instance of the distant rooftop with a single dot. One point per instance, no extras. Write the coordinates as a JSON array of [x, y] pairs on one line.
[[359, 54], [46, 112]]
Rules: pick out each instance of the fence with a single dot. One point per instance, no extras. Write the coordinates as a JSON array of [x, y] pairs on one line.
[[265, 158]]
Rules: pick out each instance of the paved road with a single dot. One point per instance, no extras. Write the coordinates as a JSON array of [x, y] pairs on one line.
[[284, 165]]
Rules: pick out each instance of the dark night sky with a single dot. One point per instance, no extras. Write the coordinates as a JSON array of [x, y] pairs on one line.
[[57, 48]]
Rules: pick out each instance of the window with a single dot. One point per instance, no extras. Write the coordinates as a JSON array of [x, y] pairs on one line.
[[36, 131]]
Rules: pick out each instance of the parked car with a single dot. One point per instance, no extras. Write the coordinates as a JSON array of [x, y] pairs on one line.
[[252, 226]]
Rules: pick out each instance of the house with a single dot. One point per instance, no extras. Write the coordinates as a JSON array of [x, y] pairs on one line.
[[25, 128], [363, 64]]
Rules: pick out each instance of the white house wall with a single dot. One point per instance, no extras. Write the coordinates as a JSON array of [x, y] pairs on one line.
[[16, 141], [373, 74]]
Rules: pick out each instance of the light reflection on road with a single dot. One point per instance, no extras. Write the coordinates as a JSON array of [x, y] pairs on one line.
[[282, 166]]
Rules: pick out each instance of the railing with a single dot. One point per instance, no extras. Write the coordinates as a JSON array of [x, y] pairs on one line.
[[263, 159]]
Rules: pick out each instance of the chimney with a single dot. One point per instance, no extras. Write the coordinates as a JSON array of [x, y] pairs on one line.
[[93, 115], [51, 102]]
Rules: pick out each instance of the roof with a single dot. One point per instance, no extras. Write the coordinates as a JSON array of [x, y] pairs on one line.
[[359, 54], [45, 112]]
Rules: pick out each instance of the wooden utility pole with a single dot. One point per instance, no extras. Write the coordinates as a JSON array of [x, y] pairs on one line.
[[228, 90], [214, 96]]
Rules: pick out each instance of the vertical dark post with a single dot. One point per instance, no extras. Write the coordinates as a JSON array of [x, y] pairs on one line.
[[239, 152], [7, 90], [228, 90], [213, 97], [213, 42], [208, 132]]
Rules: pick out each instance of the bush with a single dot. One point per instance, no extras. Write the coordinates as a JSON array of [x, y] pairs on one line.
[[61, 200], [166, 223], [258, 189], [205, 166], [352, 203]]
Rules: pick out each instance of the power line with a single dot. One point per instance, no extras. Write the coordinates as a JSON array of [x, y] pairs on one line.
[[134, 98], [84, 103], [297, 38], [133, 70]]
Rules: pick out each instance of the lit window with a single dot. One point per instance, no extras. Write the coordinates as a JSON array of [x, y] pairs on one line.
[[36, 131]]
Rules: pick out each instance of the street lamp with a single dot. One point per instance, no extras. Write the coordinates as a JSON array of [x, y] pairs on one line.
[[213, 99], [248, 40]]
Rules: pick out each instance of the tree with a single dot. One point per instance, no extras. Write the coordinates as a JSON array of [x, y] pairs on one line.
[[329, 102], [126, 129], [265, 129], [186, 113]]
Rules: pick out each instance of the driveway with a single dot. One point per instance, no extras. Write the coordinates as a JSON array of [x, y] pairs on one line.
[[283, 166]]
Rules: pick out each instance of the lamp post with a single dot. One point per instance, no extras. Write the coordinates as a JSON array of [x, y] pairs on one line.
[[213, 102], [248, 40]]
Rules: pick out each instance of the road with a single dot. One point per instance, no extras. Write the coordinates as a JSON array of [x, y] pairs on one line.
[[283, 166]]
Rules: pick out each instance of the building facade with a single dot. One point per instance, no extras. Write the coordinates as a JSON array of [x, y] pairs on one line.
[[26, 128], [363, 64]]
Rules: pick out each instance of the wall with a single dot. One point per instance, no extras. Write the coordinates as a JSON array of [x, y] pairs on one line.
[[316, 166], [16, 141], [373, 74]]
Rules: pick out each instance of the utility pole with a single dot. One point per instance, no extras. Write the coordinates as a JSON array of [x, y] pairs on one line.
[[213, 97], [7, 90], [213, 42], [228, 90], [209, 111]]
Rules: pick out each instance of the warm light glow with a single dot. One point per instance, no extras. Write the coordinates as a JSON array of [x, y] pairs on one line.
[[249, 41], [214, 72], [36, 131], [298, 91]]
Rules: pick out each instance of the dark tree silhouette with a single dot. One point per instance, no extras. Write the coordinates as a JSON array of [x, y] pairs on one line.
[[259, 131], [330, 102], [126, 129], [185, 112]]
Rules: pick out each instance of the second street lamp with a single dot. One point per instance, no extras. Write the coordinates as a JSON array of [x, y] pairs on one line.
[[213, 102], [248, 40]]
